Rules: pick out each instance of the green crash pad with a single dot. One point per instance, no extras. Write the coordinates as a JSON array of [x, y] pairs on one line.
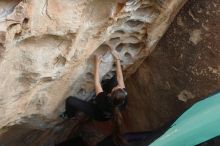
[[199, 123]]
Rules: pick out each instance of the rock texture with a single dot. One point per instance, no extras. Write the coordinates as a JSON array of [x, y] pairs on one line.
[[184, 68], [46, 54], [47, 49]]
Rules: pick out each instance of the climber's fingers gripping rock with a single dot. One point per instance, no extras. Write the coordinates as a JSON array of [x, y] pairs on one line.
[[115, 54], [98, 59]]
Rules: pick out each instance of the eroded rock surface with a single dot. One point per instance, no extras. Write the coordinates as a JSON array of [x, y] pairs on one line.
[[46, 54], [183, 69], [47, 49]]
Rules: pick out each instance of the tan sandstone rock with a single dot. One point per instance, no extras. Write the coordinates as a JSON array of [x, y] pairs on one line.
[[47, 49]]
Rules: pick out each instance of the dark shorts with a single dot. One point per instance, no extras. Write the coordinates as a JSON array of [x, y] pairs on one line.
[[73, 105]]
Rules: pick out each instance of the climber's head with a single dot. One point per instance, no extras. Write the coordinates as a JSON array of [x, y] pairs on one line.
[[118, 96]]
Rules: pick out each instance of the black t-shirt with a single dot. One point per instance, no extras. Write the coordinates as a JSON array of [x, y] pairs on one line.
[[109, 84]]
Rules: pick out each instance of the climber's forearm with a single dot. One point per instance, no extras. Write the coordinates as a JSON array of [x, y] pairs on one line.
[[98, 87], [119, 73]]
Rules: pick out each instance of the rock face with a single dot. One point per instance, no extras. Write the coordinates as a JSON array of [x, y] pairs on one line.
[[47, 49], [184, 68]]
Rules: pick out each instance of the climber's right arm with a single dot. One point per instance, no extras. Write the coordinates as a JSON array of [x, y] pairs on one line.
[[98, 87], [119, 73]]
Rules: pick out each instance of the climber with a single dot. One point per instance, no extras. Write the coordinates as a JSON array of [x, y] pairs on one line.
[[110, 99]]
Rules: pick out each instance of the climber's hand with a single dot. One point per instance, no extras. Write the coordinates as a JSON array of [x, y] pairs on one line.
[[115, 54], [98, 59]]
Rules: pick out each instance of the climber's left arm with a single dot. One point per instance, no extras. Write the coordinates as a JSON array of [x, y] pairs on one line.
[[98, 87], [119, 73]]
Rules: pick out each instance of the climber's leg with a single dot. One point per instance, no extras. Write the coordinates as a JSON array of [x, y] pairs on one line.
[[74, 104]]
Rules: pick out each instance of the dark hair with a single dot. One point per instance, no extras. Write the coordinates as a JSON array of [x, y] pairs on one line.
[[117, 99]]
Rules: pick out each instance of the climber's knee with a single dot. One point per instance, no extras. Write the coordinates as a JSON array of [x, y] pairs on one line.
[[70, 99], [70, 106]]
